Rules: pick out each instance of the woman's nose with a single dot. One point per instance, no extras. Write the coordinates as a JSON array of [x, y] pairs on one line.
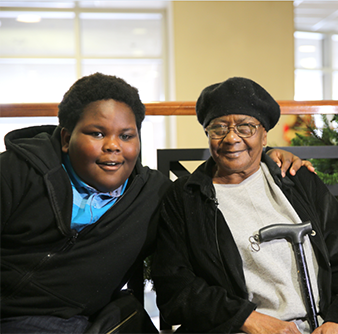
[[232, 136]]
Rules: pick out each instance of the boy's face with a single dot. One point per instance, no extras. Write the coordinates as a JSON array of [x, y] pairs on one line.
[[104, 145]]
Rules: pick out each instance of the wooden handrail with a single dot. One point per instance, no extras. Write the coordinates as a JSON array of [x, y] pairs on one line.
[[170, 108]]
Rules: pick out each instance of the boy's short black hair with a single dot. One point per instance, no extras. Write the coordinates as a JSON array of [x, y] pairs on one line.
[[98, 87]]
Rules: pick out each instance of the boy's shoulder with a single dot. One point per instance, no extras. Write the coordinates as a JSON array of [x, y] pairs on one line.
[[38, 147], [153, 175]]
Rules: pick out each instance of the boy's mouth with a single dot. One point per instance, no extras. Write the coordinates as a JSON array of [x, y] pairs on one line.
[[110, 164]]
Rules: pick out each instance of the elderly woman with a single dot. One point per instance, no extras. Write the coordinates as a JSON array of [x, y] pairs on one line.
[[209, 273]]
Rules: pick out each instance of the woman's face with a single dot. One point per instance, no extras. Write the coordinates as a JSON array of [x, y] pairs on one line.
[[236, 158]]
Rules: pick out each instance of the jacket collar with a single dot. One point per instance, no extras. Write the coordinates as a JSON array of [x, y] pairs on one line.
[[276, 172], [202, 178]]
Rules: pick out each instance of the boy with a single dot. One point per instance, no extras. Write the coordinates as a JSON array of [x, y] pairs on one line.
[[64, 253], [78, 215]]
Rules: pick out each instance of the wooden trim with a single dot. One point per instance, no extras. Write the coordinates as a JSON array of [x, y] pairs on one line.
[[170, 108], [28, 109], [173, 108], [308, 107]]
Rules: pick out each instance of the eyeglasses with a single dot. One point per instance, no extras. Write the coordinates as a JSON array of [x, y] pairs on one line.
[[220, 131]]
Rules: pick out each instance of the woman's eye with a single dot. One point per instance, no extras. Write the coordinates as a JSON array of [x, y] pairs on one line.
[[220, 129], [245, 128]]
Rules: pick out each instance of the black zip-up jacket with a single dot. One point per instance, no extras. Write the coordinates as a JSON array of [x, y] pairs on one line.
[[198, 272], [46, 267]]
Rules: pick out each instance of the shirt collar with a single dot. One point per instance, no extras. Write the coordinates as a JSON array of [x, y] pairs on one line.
[[84, 187]]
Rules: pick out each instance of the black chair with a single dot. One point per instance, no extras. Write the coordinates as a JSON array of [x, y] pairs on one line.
[[169, 160]]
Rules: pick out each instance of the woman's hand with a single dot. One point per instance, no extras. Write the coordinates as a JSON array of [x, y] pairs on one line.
[[258, 323], [285, 159], [327, 328]]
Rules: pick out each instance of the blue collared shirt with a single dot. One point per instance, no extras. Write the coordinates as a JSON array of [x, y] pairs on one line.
[[88, 203]]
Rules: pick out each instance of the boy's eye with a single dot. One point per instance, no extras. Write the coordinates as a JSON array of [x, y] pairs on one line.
[[97, 134], [126, 136]]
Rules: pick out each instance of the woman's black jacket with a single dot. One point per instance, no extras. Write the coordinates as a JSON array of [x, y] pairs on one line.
[[197, 269]]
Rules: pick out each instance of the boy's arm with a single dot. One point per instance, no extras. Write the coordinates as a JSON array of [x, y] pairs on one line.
[[5, 194], [286, 160]]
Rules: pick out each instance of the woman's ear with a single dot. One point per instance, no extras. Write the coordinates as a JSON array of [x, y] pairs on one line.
[[265, 138], [65, 138]]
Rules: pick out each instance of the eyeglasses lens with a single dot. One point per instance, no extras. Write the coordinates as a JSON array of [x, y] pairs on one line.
[[242, 130]]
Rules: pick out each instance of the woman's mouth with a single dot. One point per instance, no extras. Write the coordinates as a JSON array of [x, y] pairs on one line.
[[232, 154]]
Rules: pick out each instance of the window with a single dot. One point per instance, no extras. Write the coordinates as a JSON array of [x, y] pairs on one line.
[[335, 67], [316, 66], [47, 46]]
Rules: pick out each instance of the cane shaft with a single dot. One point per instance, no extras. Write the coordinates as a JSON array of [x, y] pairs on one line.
[[295, 234], [305, 285]]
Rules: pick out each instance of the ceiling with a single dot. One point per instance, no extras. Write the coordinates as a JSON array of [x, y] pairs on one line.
[[312, 15]]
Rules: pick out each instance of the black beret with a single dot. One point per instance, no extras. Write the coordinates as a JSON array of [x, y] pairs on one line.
[[237, 96]]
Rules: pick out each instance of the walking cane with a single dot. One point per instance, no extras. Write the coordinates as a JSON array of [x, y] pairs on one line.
[[295, 233]]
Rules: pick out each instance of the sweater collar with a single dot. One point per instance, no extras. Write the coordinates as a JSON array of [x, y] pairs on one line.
[[202, 176]]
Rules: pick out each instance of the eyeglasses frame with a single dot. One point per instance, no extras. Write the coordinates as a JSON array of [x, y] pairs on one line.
[[254, 126]]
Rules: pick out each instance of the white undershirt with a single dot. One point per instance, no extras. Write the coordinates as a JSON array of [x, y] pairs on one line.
[[271, 273]]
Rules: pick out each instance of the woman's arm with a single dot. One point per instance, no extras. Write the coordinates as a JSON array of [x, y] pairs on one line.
[[258, 323]]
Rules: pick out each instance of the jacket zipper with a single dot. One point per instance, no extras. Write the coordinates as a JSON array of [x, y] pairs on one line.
[[216, 234], [217, 244], [70, 242]]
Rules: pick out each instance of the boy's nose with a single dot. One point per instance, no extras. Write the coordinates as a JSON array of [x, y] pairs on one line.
[[111, 144]]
